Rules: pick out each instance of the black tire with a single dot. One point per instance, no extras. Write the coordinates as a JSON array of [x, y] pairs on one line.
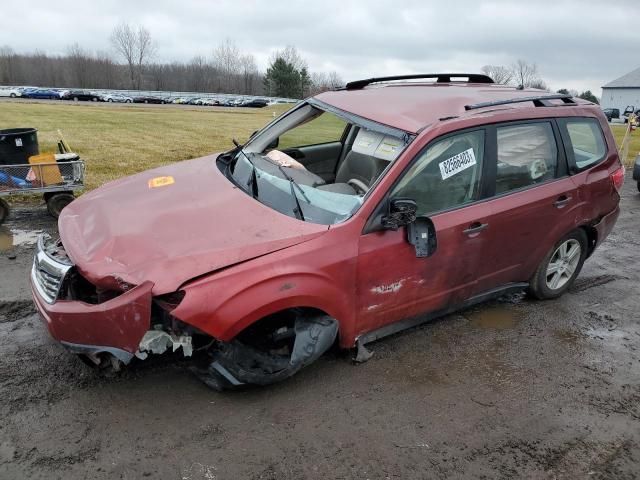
[[13, 95], [94, 99], [57, 201], [146, 101], [538, 285], [75, 99], [4, 211], [127, 101], [110, 100]]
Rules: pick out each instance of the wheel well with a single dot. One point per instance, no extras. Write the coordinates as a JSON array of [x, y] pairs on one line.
[[260, 331], [592, 238]]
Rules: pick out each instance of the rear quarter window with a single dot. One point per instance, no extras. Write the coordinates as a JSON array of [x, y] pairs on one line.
[[587, 141]]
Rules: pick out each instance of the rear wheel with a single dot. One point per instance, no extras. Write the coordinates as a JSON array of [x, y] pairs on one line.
[[57, 201], [4, 211], [560, 266], [13, 95]]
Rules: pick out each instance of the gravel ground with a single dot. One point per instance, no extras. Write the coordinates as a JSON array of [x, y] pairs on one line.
[[514, 388]]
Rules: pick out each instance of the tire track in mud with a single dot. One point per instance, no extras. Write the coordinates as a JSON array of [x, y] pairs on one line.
[[11, 311]]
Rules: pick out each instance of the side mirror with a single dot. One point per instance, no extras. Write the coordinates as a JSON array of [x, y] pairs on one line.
[[422, 235], [401, 212]]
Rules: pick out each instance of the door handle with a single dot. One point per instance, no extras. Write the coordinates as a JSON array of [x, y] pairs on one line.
[[562, 201], [475, 228]]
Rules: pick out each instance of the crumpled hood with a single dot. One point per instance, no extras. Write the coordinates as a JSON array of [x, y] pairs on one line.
[[129, 231]]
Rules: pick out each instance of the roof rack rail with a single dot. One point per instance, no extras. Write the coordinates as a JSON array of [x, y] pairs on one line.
[[440, 78], [539, 101]]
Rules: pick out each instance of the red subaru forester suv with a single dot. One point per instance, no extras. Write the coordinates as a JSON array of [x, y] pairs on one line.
[[356, 214]]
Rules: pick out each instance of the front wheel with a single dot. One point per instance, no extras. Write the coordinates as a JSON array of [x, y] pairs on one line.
[[560, 266], [56, 202], [4, 211]]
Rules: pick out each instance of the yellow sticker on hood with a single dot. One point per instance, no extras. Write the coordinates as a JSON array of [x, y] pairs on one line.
[[161, 182]]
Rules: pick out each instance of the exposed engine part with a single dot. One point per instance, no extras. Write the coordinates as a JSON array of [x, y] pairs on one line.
[[158, 341], [234, 364]]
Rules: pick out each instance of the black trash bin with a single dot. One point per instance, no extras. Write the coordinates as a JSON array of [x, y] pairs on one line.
[[17, 145]]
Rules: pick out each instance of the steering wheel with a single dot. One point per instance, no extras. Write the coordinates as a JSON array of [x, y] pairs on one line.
[[358, 186]]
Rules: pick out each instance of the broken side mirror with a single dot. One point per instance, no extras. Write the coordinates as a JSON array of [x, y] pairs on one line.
[[400, 212], [421, 233]]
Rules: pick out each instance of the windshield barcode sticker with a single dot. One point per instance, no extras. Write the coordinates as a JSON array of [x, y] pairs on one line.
[[457, 163]]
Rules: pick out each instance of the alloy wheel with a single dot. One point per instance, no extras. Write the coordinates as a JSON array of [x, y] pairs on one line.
[[563, 264]]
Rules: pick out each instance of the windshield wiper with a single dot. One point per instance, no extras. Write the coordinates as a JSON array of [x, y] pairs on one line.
[[253, 180], [292, 183]]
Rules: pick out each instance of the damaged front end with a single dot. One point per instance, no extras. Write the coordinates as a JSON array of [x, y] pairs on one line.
[[111, 326]]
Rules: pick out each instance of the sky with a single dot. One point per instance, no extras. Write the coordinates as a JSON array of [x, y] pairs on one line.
[[576, 44]]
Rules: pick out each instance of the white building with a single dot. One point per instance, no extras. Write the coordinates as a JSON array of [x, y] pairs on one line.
[[622, 92]]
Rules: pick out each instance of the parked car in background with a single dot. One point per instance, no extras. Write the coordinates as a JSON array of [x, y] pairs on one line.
[[10, 92], [41, 93], [116, 98], [148, 99], [356, 214], [628, 111], [255, 103], [80, 95], [611, 113]]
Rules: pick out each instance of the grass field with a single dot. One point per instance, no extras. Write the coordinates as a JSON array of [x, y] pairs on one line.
[[120, 140]]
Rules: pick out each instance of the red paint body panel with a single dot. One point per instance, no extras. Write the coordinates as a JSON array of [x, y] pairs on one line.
[[126, 231], [118, 323], [238, 260]]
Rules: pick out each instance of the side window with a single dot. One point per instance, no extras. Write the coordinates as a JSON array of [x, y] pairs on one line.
[[446, 175], [587, 141], [325, 128], [527, 155]]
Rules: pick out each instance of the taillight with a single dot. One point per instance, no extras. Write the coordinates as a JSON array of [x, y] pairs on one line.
[[617, 178]]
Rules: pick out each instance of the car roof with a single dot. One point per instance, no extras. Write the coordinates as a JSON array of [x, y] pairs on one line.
[[411, 106]]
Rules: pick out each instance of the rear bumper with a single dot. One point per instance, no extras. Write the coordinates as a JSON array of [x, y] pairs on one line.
[[606, 224], [115, 326]]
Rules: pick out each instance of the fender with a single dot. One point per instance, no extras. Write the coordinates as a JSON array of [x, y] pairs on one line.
[[225, 303]]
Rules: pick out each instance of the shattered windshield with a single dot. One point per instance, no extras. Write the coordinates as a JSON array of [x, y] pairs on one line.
[[315, 165]]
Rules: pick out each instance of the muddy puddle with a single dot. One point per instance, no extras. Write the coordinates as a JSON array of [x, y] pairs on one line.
[[497, 318], [13, 237]]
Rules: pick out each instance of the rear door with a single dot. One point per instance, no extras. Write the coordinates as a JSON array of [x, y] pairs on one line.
[[533, 201], [445, 182], [317, 144]]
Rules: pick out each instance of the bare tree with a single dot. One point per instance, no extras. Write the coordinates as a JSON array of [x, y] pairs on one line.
[[525, 74], [226, 60], [79, 69], [249, 72], [8, 65], [290, 55], [136, 47], [500, 74], [321, 82]]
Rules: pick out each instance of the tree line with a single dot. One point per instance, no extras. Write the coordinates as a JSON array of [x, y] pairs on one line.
[[525, 75], [130, 64]]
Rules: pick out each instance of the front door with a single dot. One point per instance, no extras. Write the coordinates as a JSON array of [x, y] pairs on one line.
[[445, 182]]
